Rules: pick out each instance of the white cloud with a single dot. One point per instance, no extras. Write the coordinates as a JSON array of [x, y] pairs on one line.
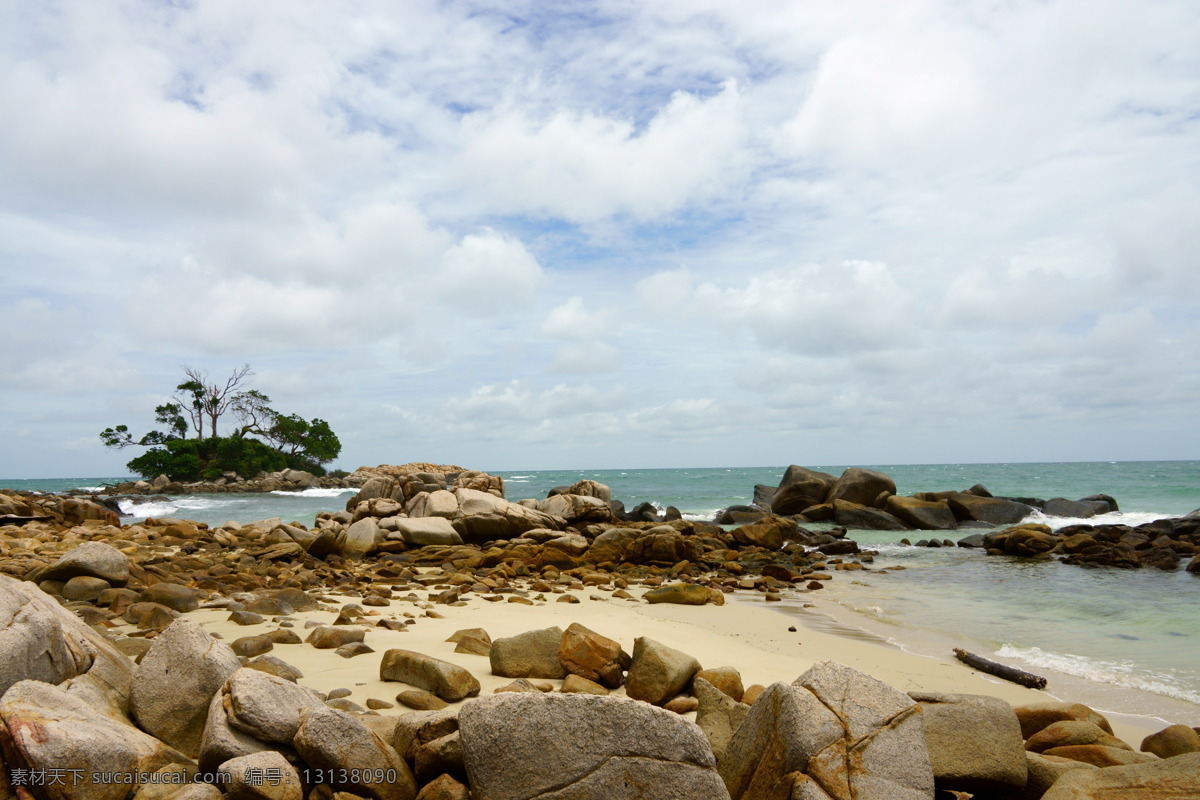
[[489, 274], [928, 228], [585, 166]]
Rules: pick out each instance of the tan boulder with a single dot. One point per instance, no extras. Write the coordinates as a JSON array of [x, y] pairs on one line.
[[47, 729], [974, 742], [352, 758], [175, 680], [1175, 778], [862, 486], [533, 654], [587, 654], [657, 672], [523, 746], [1171, 741], [1037, 716], [921, 514], [449, 682]]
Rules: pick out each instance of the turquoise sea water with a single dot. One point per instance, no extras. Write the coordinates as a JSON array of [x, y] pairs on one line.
[[1124, 640]]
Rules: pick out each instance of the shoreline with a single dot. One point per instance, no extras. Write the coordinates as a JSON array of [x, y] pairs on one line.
[[829, 616], [751, 636]]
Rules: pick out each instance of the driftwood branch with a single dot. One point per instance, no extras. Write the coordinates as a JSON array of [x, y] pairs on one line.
[[1000, 670]]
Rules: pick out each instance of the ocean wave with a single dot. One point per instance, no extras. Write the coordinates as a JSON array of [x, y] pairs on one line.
[[91, 489], [1121, 674], [701, 516], [166, 506], [315, 492], [1131, 518]]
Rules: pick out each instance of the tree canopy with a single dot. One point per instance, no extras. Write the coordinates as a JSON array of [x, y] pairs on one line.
[[182, 451]]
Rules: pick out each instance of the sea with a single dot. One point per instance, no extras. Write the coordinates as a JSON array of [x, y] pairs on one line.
[[1124, 641]]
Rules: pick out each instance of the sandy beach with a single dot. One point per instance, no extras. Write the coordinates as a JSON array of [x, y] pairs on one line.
[[744, 633]]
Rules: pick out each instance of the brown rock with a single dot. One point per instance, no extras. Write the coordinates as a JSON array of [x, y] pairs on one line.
[[1172, 741], [585, 653], [726, 679], [533, 654], [1175, 778], [1100, 755], [421, 700], [1066, 733], [575, 684], [657, 672], [351, 755], [1036, 716], [448, 681]]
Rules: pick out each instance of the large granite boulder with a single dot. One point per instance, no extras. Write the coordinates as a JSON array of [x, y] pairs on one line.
[[448, 681], [1062, 507], [46, 729], [422, 531], [1175, 778], [858, 516], [351, 757], [657, 673], [718, 715], [974, 742], [40, 640], [799, 489], [835, 733], [484, 517], [221, 741], [246, 778], [378, 486], [533, 654], [519, 746], [577, 508], [90, 559], [360, 538], [585, 653], [768, 532], [175, 680], [439, 503], [992, 510], [921, 514], [265, 706], [862, 486]]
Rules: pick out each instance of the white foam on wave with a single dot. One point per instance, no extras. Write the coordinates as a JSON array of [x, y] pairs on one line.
[[1131, 518], [315, 492], [703, 516], [90, 488], [1123, 674], [166, 506]]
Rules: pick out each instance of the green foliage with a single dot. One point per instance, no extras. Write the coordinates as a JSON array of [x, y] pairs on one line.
[[291, 441], [178, 459], [248, 457]]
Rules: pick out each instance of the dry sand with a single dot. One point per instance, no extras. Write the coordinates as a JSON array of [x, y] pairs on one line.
[[750, 636]]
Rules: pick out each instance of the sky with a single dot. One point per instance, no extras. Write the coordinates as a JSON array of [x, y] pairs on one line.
[[529, 235]]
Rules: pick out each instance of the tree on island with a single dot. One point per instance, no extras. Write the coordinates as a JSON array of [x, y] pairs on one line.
[[285, 441]]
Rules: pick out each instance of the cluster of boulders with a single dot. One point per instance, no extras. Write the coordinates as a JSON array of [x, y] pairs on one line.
[[1165, 543], [186, 716], [287, 480], [866, 499], [20, 508]]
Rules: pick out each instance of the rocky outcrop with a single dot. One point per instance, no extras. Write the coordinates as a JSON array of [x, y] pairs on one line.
[[449, 682], [1177, 777], [834, 733], [40, 640], [801, 488], [974, 742], [175, 682], [519, 746], [46, 729]]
